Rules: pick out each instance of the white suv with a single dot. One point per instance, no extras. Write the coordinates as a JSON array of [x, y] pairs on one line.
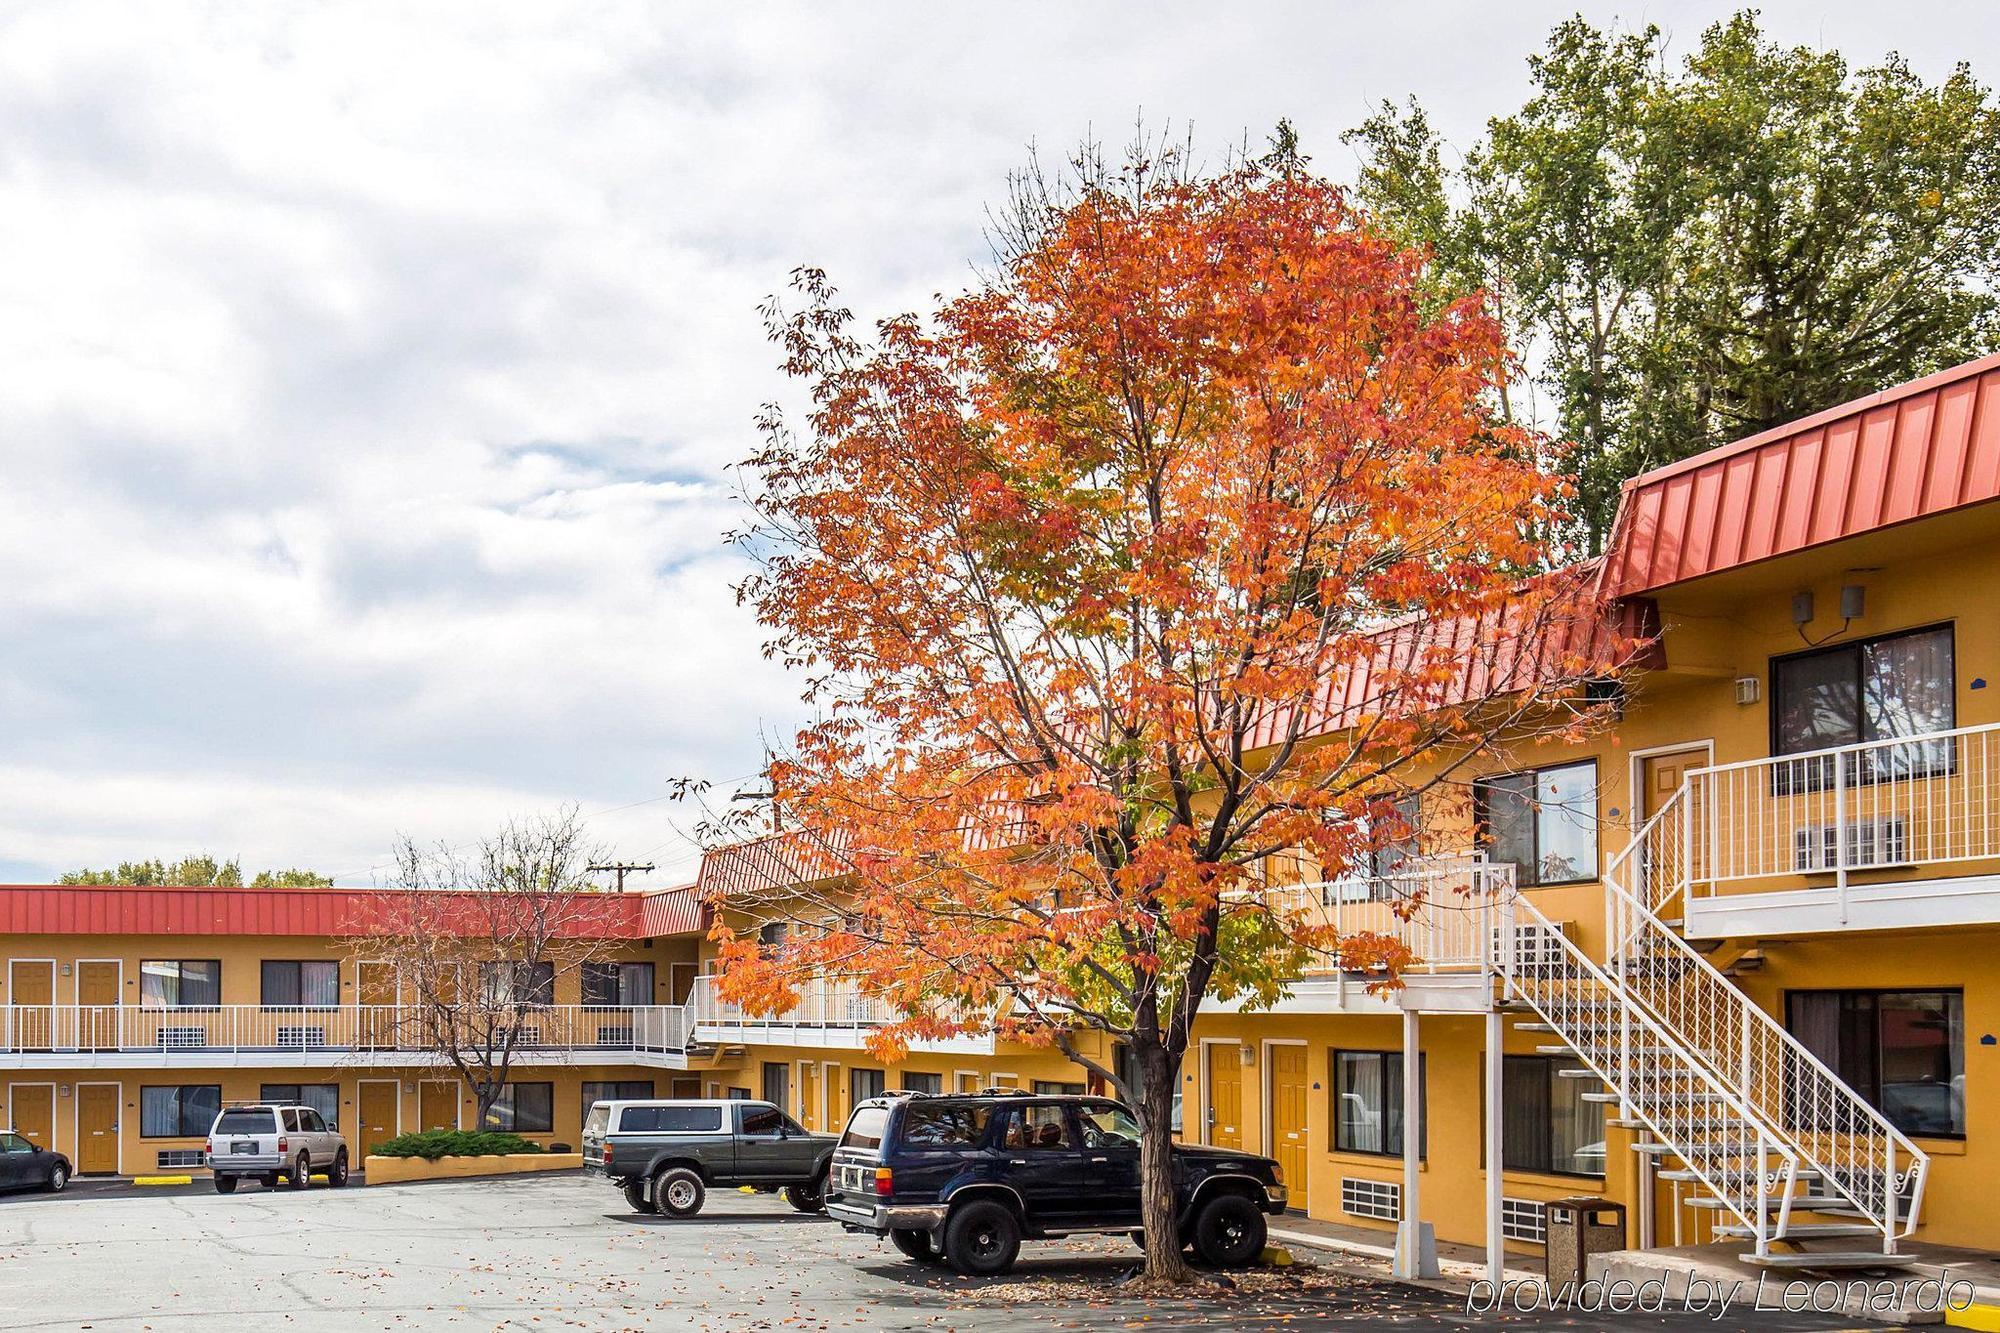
[[268, 1141]]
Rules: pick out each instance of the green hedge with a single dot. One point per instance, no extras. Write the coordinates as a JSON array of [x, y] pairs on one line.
[[435, 1143]]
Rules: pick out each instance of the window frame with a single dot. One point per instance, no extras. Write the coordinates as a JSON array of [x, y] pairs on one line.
[[1785, 783], [1396, 1085], [1549, 1063], [1481, 822], [180, 969], [264, 1000], [615, 967], [510, 1095], [180, 1091], [1873, 1095]]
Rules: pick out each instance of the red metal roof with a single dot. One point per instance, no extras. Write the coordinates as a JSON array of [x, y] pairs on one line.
[[1916, 450], [63, 909]]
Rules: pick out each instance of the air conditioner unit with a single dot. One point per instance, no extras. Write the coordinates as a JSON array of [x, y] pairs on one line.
[[301, 1038], [1870, 843], [1535, 945]]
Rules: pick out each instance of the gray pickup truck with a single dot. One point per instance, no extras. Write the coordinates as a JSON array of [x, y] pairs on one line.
[[666, 1155]]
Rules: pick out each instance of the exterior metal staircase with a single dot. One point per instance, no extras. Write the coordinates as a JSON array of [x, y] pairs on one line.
[[1735, 1105]]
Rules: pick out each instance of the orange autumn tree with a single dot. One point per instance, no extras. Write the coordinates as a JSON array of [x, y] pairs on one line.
[[1188, 543]]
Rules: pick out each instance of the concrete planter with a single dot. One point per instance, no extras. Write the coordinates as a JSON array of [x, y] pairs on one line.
[[397, 1170]]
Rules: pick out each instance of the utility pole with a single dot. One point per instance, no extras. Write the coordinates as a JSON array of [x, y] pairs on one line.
[[619, 868]]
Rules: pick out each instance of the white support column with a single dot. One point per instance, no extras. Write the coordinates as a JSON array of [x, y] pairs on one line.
[[1409, 1238], [1496, 1244]]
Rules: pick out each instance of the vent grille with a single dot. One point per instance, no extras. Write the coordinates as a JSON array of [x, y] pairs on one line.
[[1534, 944], [1524, 1219], [298, 1038], [1870, 842], [171, 1157], [183, 1038], [1371, 1198], [621, 1037]]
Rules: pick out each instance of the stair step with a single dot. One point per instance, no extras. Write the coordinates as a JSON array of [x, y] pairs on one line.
[[1712, 1149], [1805, 1230], [1608, 1098], [1828, 1259], [1534, 1027], [1830, 1204], [1739, 1177]]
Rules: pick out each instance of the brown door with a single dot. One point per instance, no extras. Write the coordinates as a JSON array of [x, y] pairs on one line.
[[97, 1005], [1288, 1117], [684, 1087], [97, 1128], [375, 992], [378, 1103], [1225, 1095], [31, 989], [33, 1109], [1662, 775], [437, 1104]]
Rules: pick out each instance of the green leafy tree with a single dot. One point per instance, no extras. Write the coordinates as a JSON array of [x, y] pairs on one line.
[[195, 872], [1693, 253]]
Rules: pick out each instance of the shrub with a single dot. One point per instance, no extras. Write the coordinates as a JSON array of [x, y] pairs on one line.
[[432, 1144]]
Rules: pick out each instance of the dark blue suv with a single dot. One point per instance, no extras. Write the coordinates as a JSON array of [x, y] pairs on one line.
[[964, 1178]]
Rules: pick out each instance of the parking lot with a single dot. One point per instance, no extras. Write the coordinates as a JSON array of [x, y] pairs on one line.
[[563, 1252]]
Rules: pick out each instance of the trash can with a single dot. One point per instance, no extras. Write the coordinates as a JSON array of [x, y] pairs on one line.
[[1578, 1228]]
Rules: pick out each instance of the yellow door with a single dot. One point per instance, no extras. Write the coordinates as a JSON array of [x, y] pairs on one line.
[[32, 991], [836, 1099], [809, 1094], [1288, 1117], [375, 992], [1662, 775], [968, 1082], [437, 1104], [377, 1112], [1225, 1095], [97, 1128], [33, 1109], [97, 1005]]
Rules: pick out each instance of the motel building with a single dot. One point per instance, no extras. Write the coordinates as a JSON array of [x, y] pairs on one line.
[[1730, 963]]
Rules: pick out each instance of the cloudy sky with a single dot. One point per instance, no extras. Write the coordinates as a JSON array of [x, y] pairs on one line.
[[371, 373]]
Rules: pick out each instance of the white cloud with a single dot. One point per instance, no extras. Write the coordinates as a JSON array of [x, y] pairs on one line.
[[372, 370]]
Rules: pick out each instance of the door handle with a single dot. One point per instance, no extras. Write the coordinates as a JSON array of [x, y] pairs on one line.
[[1100, 1159], [1017, 1161]]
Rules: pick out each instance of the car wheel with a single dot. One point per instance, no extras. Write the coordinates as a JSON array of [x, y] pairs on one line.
[[338, 1175], [678, 1192], [982, 1238], [58, 1177], [1229, 1231], [916, 1245], [808, 1198], [225, 1184], [302, 1171], [635, 1195]]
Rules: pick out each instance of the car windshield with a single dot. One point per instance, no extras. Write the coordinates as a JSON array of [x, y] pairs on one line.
[[866, 1128], [246, 1122]]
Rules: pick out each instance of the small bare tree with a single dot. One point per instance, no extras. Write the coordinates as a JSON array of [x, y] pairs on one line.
[[480, 936]]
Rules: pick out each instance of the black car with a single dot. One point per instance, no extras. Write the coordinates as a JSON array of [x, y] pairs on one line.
[[964, 1178], [24, 1166]]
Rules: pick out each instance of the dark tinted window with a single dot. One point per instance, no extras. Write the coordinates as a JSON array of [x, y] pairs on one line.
[[929, 1125], [762, 1120], [670, 1120], [866, 1128], [246, 1122]]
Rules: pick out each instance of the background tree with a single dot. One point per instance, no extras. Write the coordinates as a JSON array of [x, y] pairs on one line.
[[1689, 254], [1116, 580], [195, 872], [480, 937]]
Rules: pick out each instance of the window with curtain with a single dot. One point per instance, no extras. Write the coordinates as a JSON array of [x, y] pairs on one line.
[[322, 1097], [1398, 846], [931, 1083], [523, 1108], [518, 983], [617, 985], [185, 983], [1903, 1050], [308, 985], [1545, 1124], [865, 1083], [1542, 822], [1869, 690], [1368, 1103], [184, 1112]]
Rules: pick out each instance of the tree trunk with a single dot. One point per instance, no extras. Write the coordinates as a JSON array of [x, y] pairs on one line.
[[1158, 1076], [484, 1095]]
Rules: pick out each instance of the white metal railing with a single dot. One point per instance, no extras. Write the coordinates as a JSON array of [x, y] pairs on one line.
[[1660, 1078], [822, 1003], [1442, 909], [1922, 800], [1834, 1130], [239, 1028]]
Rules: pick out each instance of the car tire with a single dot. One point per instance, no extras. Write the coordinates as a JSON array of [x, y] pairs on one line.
[[337, 1177], [807, 1198], [225, 1184], [269, 1182], [982, 1239], [678, 1192], [1229, 1231], [916, 1245], [635, 1195], [58, 1178], [301, 1173]]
